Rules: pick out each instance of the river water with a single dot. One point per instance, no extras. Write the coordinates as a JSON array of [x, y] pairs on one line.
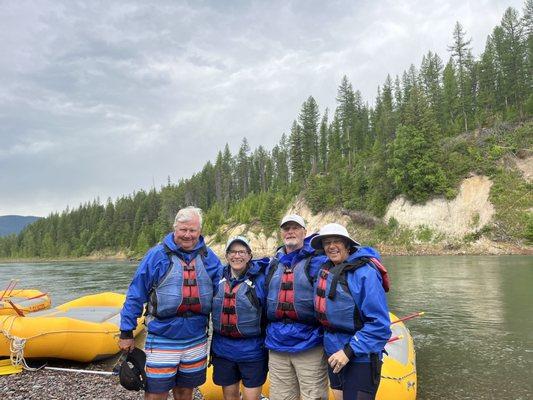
[[474, 342]]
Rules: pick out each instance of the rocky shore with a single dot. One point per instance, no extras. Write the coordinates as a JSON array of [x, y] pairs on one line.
[[47, 384]]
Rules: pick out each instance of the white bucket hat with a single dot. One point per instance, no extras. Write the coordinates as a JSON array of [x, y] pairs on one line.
[[240, 239], [332, 230], [293, 218]]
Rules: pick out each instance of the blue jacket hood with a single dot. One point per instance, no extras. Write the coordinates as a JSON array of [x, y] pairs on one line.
[[169, 241], [257, 267], [364, 251]]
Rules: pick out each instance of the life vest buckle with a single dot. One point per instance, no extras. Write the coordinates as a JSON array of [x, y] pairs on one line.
[[286, 285], [229, 310]]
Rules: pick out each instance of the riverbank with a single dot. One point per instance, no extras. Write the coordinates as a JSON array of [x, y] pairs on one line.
[[482, 247], [46, 384]]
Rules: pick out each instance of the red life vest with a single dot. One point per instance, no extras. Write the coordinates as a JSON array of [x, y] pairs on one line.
[[329, 277], [191, 295], [229, 318]]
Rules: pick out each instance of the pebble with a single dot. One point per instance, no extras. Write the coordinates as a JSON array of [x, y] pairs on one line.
[[56, 385]]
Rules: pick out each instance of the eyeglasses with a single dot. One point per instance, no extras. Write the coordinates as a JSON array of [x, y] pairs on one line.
[[237, 252], [331, 242]]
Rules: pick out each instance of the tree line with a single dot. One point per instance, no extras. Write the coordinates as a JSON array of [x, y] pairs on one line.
[[358, 157]]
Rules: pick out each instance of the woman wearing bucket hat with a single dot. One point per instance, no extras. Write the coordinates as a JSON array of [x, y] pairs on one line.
[[350, 303], [238, 352]]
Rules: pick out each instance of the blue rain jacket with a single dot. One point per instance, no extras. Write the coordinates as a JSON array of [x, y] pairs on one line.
[[244, 348], [365, 285], [149, 273], [296, 337]]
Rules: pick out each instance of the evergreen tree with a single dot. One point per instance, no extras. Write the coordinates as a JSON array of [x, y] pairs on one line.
[[462, 55], [243, 169], [431, 72], [296, 154], [308, 118], [323, 143]]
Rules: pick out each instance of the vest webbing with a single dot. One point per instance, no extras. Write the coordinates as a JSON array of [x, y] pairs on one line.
[[337, 272], [229, 318], [285, 309]]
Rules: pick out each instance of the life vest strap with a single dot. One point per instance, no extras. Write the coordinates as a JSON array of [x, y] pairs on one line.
[[287, 285], [189, 301], [189, 282], [284, 306], [229, 310]]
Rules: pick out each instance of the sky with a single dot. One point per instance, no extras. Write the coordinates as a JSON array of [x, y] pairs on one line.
[[100, 99]]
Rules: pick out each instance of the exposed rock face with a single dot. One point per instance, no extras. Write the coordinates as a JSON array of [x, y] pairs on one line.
[[467, 213], [526, 167], [263, 245]]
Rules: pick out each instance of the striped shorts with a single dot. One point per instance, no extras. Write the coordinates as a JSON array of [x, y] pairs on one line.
[[174, 362]]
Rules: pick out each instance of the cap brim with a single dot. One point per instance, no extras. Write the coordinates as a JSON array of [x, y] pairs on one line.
[[238, 241]]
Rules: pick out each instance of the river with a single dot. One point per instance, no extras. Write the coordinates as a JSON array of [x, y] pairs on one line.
[[474, 342]]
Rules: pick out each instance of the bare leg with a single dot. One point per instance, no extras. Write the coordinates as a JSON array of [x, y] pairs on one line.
[[337, 394], [231, 392], [251, 393], [182, 393]]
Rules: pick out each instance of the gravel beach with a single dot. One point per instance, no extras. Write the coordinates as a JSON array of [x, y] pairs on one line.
[[46, 384]]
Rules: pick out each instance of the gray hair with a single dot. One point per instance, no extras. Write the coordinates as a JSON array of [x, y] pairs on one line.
[[186, 214]]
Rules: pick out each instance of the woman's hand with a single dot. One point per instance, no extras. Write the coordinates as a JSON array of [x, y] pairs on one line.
[[337, 361]]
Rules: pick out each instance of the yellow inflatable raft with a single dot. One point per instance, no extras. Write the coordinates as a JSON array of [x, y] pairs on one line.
[[398, 374], [23, 300], [85, 330]]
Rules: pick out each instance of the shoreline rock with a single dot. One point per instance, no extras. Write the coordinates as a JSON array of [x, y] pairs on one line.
[[46, 384]]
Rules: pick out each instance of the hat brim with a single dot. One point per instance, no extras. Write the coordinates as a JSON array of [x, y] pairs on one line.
[[316, 242]]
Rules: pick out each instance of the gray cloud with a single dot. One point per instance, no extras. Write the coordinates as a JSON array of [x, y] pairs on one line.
[[100, 99]]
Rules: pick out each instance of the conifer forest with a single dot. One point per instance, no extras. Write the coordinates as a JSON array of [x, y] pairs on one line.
[[427, 129]]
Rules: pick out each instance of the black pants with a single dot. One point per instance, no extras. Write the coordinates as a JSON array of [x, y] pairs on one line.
[[358, 381]]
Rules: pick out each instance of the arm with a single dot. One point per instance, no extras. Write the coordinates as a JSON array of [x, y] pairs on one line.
[[154, 264], [365, 285]]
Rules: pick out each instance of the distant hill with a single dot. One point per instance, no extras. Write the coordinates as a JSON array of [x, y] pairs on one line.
[[14, 223]]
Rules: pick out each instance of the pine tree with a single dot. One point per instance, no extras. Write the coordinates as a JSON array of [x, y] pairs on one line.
[[323, 143], [243, 169], [462, 55], [512, 56], [430, 73], [528, 30], [296, 154], [308, 118], [451, 96]]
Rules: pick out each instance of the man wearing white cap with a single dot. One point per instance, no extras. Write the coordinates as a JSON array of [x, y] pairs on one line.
[[297, 365]]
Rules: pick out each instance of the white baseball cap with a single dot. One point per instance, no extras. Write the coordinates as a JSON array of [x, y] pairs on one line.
[[240, 239], [293, 218], [331, 230]]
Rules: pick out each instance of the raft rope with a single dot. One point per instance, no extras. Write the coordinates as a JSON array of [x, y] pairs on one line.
[[17, 344], [399, 379]]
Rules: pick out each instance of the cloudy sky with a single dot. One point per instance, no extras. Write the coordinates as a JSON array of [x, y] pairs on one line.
[[100, 98]]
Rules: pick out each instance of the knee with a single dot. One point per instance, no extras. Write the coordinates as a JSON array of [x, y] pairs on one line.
[[181, 393]]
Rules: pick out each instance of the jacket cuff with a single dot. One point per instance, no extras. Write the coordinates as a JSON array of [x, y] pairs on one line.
[[126, 334], [348, 351]]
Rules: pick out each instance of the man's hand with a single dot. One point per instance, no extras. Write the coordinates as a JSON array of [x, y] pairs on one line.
[[126, 344], [338, 360]]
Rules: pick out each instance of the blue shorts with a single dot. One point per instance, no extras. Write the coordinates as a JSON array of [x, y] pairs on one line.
[[171, 363], [355, 378], [252, 373]]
